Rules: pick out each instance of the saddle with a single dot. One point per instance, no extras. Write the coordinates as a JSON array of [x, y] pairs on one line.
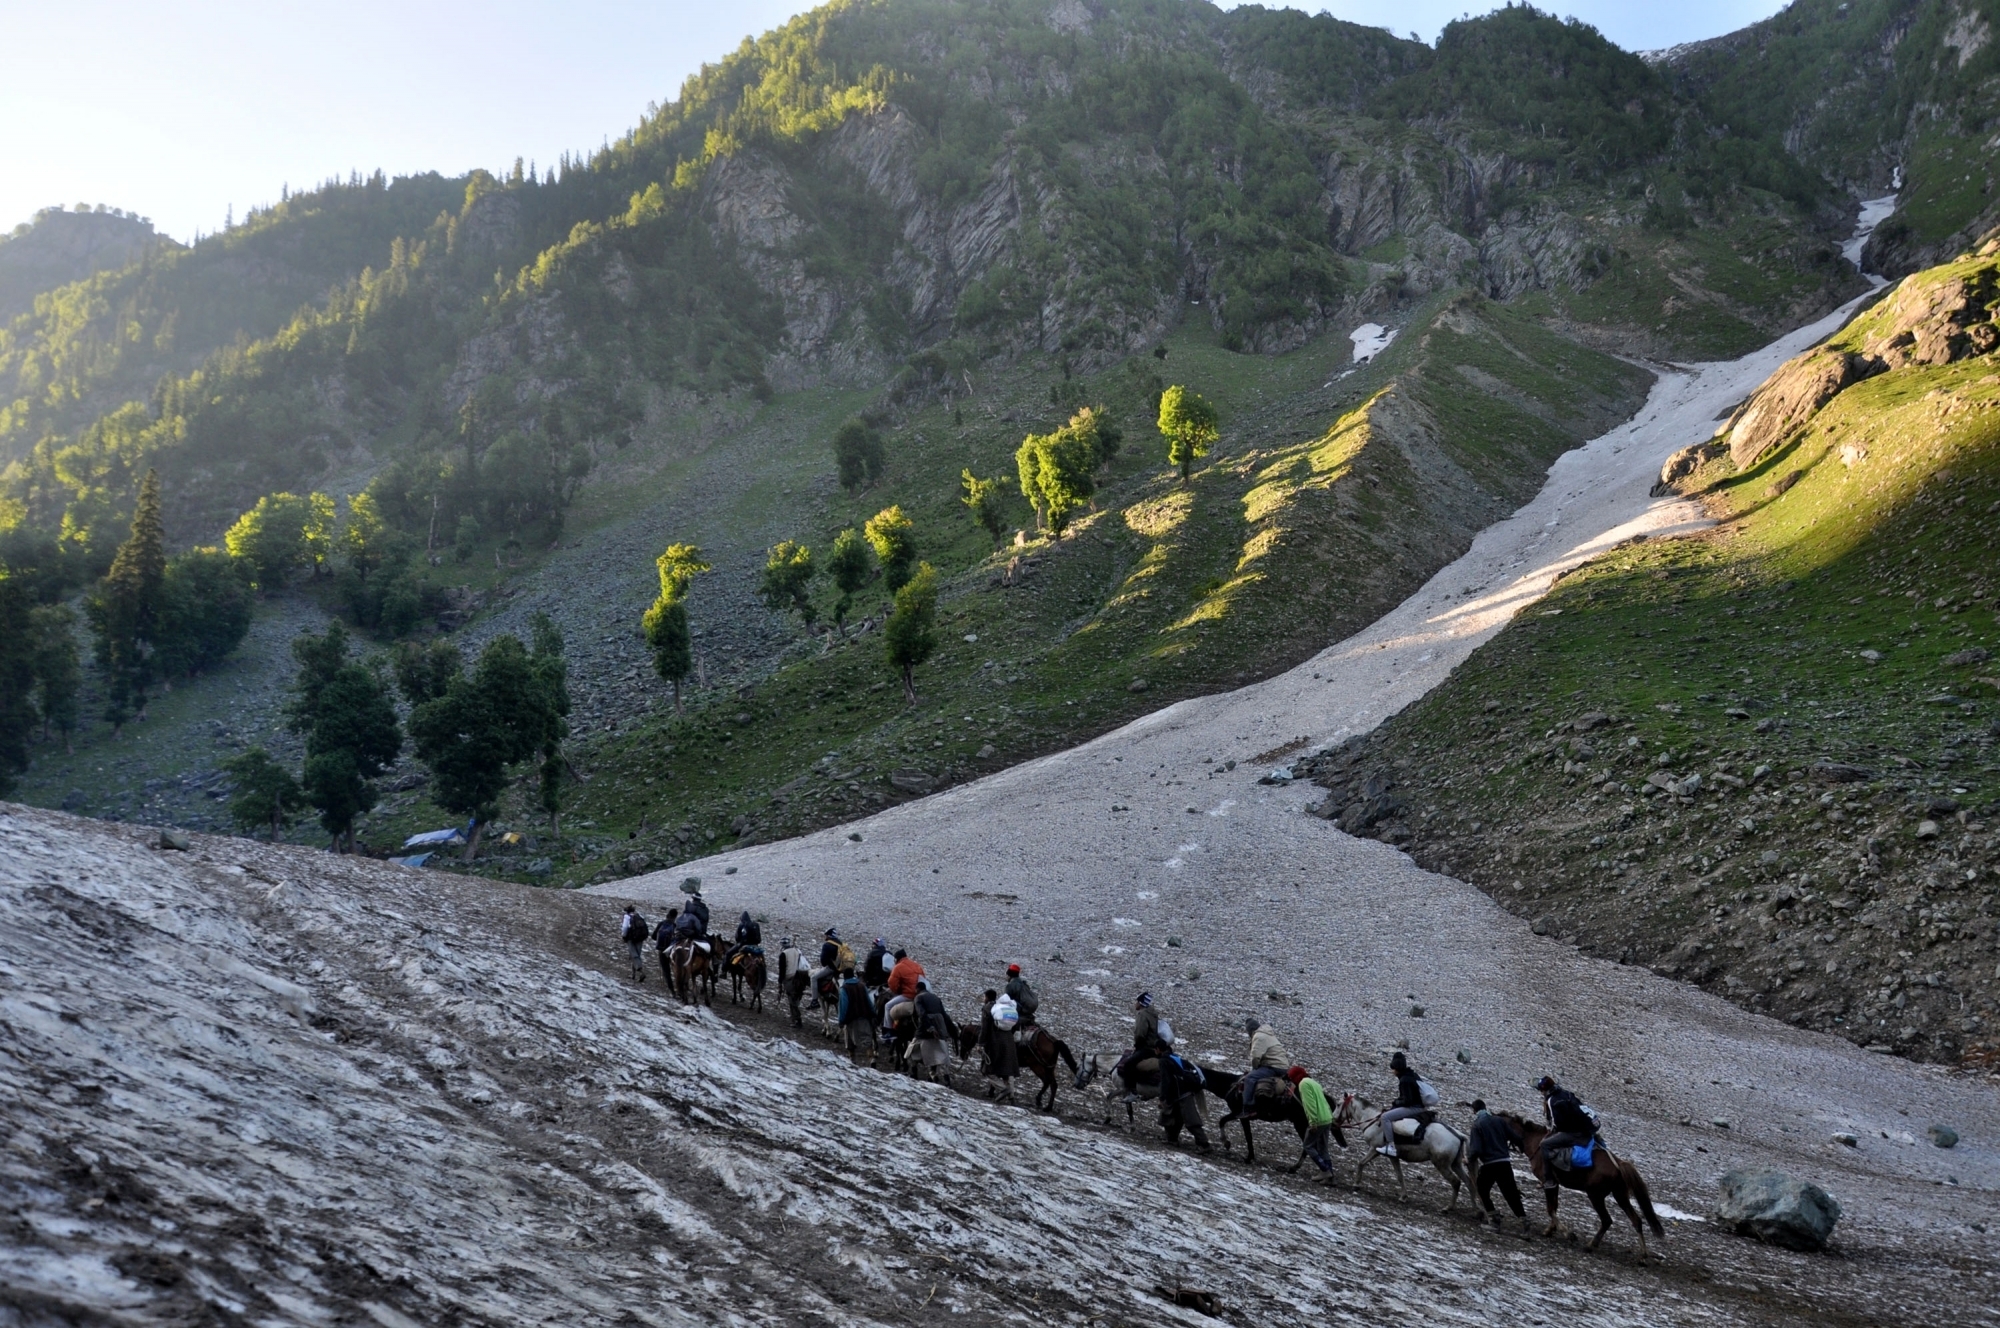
[[1271, 1090], [1412, 1129], [1575, 1156]]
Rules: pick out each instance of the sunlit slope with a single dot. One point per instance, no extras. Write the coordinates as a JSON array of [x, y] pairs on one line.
[[1765, 757]]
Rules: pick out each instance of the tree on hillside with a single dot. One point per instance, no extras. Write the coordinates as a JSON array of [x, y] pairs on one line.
[[205, 613], [1056, 469], [17, 679], [893, 536], [423, 671], [264, 793], [857, 451], [125, 611], [1097, 424], [551, 673], [666, 623], [58, 670], [281, 534], [342, 710], [850, 564], [984, 499], [910, 634], [485, 721], [1189, 425], [787, 583], [367, 536]]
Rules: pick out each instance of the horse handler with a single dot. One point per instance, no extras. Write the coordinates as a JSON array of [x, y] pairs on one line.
[[1489, 1147], [1319, 1118]]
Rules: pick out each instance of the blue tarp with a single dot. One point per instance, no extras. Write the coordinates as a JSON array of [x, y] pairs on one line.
[[414, 860], [435, 839]]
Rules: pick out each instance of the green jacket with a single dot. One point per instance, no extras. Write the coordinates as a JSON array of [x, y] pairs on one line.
[[1313, 1098]]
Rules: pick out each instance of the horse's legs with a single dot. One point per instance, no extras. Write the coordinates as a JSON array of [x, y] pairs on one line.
[[1401, 1189], [1550, 1197], [1448, 1169], [1603, 1218]]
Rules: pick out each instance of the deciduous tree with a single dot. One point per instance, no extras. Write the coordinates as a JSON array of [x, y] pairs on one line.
[[910, 635], [857, 452], [787, 583], [986, 501], [893, 536], [1056, 470], [850, 564], [264, 793], [1189, 425], [666, 623]]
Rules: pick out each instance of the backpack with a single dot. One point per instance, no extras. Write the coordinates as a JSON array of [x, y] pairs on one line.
[[635, 928], [843, 958], [1027, 1002], [1005, 1014], [1165, 1031], [1428, 1094]]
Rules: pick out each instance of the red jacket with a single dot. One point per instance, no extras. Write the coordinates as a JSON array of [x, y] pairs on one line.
[[903, 977]]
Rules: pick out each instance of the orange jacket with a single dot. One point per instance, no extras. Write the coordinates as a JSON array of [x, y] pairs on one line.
[[903, 977]]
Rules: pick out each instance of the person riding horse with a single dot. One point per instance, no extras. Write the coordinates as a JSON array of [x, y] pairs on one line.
[[1571, 1122], [875, 969], [902, 982], [1143, 1058], [699, 907], [1268, 1058], [830, 948], [1025, 1001], [1409, 1103], [749, 936]]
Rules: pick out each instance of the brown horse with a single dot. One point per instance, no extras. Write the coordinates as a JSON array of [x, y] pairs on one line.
[[1039, 1052], [694, 972], [745, 968], [1283, 1107], [1608, 1175]]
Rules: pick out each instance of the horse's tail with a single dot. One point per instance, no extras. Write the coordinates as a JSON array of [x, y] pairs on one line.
[[1637, 1184], [1062, 1050]]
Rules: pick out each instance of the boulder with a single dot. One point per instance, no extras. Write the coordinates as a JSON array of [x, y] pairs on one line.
[[911, 780], [1777, 1209], [1944, 1136], [1788, 398], [171, 838], [1962, 658]]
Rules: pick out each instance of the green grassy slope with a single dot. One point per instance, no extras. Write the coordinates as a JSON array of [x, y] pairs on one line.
[[1827, 661], [1323, 505]]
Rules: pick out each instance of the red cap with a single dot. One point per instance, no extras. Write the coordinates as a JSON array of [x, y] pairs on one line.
[[1296, 1073], [1013, 968]]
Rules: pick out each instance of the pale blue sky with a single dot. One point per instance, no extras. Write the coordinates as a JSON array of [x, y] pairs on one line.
[[180, 112]]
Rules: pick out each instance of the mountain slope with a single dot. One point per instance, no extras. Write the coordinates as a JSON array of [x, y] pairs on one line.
[[59, 247], [1763, 759]]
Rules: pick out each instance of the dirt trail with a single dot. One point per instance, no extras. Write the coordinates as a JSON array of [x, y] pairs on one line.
[[1145, 862]]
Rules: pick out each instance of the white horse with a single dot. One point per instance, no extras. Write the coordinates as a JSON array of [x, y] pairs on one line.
[[1094, 1065], [1439, 1145]]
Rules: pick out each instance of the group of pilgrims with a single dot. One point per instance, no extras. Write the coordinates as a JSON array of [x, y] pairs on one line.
[[886, 999]]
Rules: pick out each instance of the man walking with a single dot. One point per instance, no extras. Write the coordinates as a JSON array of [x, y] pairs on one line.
[[1319, 1119], [633, 930], [1490, 1146]]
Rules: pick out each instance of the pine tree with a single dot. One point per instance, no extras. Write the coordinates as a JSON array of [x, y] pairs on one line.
[[342, 709], [17, 680], [125, 612], [485, 721], [551, 672], [857, 453], [58, 671]]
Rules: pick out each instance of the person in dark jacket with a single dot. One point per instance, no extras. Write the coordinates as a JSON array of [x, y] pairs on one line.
[[1570, 1123], [632, 931], [688, 926], [1181, 1087], [699, 907], [1491, 1149], [1003, 1059], [1409, 1103], [933, 1021], [1145, 1044], [875, 969], [749, 936], [1024, 998], [856, 1005], [829, 955]]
